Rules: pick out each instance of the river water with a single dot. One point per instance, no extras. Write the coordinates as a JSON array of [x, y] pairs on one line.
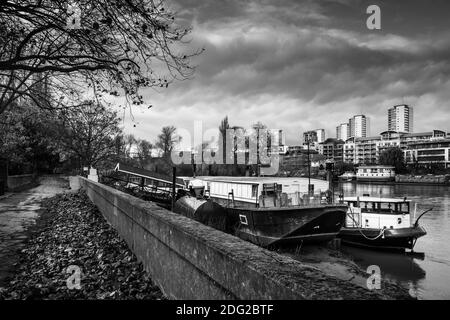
[[428, 276]]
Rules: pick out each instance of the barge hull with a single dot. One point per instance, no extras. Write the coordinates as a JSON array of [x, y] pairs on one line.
[[289, 226], [393, 239]]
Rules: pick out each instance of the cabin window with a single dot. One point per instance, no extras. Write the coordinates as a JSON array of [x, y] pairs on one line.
[[243, 219], [404, 207], [374, 206], [272, 189], [386, 207], [254, 191]]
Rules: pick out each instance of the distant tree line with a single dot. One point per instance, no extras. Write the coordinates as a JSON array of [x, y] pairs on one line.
[[44, 141], [55, 53]]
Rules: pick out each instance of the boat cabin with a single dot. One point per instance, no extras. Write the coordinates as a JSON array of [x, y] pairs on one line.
[[378, 213], [262, 192]]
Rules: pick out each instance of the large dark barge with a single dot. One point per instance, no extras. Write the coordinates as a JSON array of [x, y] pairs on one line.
[[274, 211]]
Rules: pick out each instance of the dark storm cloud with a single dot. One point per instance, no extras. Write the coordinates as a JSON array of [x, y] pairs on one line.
[[290, 62]]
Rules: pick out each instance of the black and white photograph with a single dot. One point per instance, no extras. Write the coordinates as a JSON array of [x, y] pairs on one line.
[[191, 154]]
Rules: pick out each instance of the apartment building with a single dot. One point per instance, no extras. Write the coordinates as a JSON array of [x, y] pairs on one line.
[[368, 150], [343, 132], [359, 126], [332, 149], [401, 118], [435, 151]]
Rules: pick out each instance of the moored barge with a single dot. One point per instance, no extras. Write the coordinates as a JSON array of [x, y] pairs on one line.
[[275, 211]]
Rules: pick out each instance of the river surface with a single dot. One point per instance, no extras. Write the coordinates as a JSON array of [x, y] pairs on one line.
[[426, 277]]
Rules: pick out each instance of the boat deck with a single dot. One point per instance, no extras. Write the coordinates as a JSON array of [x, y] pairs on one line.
[[256, 180]]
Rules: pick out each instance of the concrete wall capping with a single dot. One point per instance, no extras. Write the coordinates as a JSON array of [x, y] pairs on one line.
[[189, 260]]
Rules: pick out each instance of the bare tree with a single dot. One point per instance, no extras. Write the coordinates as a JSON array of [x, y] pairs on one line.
[[130, 141], [89, 132], [167, 140], [116, 46], [144, 152]]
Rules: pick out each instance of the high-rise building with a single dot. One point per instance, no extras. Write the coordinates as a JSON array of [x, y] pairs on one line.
[[401, 118], [343, 132], [314, 136], [320, 135], [359, 126]]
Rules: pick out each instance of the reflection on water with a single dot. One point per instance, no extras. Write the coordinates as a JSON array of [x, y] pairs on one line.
[[427, 278], [397, 267]]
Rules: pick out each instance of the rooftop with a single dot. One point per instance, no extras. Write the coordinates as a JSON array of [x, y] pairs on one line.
[[376, 167], [258, 180], [377, 199]]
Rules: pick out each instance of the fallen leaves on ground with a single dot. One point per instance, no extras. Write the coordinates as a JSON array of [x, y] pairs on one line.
[[72, 232]]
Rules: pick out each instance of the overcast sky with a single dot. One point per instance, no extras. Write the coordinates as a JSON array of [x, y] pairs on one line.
[[301, 65]]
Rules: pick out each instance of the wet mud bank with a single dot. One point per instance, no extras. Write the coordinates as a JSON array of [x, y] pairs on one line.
[[337, 264]]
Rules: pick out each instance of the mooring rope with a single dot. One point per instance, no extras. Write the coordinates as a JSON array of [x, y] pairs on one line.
[[360, 229]]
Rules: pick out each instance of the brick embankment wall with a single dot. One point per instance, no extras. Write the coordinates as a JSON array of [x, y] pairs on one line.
[[188, 260]]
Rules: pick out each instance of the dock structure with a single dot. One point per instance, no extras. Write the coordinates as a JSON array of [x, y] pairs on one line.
[[145, 184]]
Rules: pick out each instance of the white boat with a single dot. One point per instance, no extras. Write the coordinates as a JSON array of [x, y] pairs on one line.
[[383, 223], [375, 174]]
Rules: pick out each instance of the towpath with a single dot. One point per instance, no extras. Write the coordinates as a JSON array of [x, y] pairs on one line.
[[18, 212]]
